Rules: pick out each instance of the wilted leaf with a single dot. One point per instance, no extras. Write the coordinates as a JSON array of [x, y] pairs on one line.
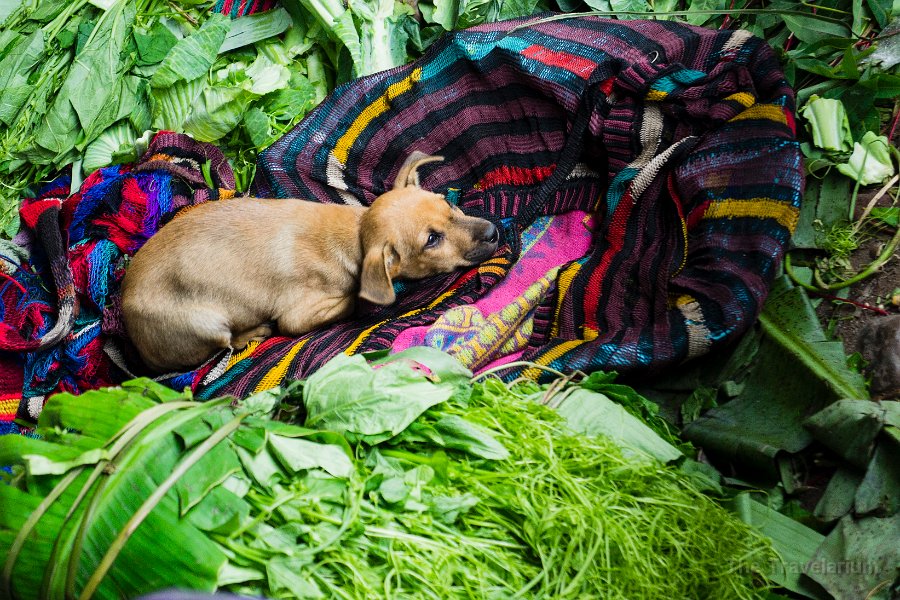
[[839, 495], [799, 371], [879, 491], [849, 427], [871, 160], [859, 559]]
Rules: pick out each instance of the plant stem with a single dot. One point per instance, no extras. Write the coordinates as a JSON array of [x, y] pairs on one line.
[[875, 199]]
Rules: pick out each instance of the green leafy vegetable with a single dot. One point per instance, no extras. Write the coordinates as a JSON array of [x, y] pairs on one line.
[[595, 414], [194, 55], [870, 162], [828, 124], [247, 504], [347, 395]]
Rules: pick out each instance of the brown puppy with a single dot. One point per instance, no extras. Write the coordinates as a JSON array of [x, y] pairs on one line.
[[222, 273]]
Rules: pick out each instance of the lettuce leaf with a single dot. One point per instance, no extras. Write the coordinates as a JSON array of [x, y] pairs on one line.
[[192, 56]]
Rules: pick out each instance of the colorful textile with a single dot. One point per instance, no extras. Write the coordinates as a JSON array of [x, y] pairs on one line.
[[497, 327], [679, 140], [239, 8], [116, 210]]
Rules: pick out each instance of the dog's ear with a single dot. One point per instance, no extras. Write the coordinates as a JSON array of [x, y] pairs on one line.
[[409, 174], [380, 265]]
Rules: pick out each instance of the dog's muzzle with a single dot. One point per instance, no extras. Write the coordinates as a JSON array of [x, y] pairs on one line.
[[486, 244]]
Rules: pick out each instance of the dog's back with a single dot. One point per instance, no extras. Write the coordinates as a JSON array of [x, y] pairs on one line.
[[220, 268]]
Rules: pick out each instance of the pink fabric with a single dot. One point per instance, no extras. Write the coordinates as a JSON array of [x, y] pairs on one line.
[[548, 243]]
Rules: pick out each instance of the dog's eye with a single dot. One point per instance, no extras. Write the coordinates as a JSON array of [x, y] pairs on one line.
[[434, 238]]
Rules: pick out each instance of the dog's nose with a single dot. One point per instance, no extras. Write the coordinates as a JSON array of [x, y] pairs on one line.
[[491, 235]]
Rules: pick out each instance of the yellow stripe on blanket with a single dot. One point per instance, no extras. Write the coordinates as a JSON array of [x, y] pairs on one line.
[[546, 359], [372, 112], [365, 334], [476, 339], [758, 208], [9, 407], [239, 356], [770, 112], [565, 280], [743, 98], [277, 373]]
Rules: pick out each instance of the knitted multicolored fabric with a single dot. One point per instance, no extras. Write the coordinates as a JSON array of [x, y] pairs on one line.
[[680, 140], [239, 8], [42, 348]]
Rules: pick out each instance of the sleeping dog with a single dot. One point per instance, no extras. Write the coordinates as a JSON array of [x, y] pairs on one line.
[[230, 271]]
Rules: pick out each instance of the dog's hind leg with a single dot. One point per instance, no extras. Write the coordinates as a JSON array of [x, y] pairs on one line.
[[297, 319], [260, 332], [179, 338]]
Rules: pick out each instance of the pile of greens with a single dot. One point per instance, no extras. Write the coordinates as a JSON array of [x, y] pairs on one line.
[[84, 83], [405, 480]]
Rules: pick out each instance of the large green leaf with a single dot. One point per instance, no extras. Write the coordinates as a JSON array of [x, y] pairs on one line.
[[811, 29], [7, 7], [101, 151], [172, 105], [860, 558], [14, 71], [210, 471], [837, 500], [347, 395], [299, 454], [790, 321], [798, 372], [93, 84], [457, 433], [879, 490], [256, 27], [593, 413], [217, 111], [220, 511], [795, 543], [192, 56]]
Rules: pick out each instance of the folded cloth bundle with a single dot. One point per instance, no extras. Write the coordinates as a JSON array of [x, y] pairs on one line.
[[678, 141]]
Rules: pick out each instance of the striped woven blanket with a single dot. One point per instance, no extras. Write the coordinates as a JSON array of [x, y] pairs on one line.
[[679, 141]]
